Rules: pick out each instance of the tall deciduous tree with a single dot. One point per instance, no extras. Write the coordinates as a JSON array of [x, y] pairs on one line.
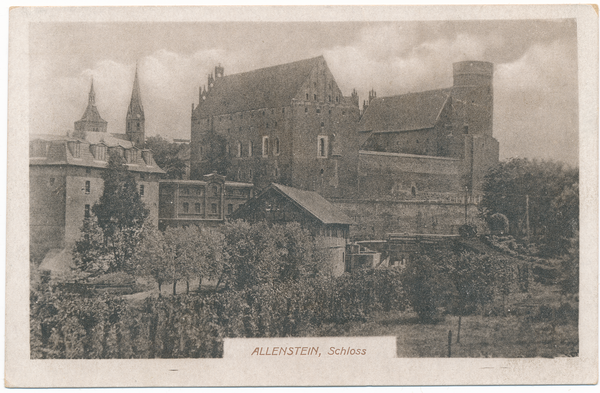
[[215, 157], [168, 156], [544, 192], [260, 253]]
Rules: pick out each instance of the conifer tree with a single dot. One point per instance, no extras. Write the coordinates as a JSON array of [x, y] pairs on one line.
[[110, 235]]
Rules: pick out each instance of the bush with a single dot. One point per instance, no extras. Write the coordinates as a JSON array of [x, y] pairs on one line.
[[422, 281], [70, 326]]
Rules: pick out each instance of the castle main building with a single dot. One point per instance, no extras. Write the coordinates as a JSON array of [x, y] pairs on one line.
[[288, 124], [406, 163]]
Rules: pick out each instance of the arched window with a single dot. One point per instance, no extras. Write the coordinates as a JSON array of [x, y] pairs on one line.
[[322, 146], [250, 148], [276, 147], [265, 146], [239, 149], [413, 191]]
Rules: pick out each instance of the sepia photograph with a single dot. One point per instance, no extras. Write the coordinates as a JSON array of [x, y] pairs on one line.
[[318, 191]]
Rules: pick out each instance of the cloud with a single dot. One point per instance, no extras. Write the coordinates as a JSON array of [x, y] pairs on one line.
[[535, 72]]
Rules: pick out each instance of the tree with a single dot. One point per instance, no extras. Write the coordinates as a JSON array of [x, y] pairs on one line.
[[215, 157], [110, 235], [153, 256], [473, 278], [546, 190], [168, 156], [424, 287], [259, 253]]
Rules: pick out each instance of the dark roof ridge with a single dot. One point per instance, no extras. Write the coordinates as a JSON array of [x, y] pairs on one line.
[[449, 89], [273, 66]]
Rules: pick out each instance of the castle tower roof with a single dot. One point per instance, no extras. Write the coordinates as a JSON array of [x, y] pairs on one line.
[[136, 109]]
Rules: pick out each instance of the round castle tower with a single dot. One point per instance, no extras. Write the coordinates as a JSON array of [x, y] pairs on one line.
[[473, 97]]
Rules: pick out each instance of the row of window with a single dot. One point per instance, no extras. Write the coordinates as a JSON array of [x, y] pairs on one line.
[[267, 148], [88, 187], [100, 152], [316, 98], [252, 113], [322, 147], [198, 208]]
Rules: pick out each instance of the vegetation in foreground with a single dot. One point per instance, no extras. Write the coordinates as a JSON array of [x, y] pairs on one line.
[[272, 281]]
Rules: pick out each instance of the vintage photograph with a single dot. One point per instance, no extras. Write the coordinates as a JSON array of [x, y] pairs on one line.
[[191, 183]]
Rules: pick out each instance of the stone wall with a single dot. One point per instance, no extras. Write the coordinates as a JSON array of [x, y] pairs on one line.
[[374, 219]]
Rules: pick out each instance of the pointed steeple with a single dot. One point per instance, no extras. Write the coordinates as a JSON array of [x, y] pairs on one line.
[[92, 95], [135, 105], [135, 114], [91, 121]]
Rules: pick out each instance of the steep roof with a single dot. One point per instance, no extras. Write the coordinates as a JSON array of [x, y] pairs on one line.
[[406, 112], [91, 113], [314, 204], [136, 109], [263, 88], [55, 151]]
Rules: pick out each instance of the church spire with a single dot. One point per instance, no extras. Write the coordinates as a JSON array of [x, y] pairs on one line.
[[91, 121], [92, 95], [135, 105], [135, 114]]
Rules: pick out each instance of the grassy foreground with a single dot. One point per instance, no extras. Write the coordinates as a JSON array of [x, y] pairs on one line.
[[522, 333]]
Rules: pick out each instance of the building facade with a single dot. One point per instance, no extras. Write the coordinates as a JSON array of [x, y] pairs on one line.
[[65, 174], [288, 124], [408, 163], [192, 202], [65, 181]]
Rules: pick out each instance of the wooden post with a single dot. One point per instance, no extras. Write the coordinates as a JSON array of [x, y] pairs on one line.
[[449, 343], [527, 216], [458, 334]]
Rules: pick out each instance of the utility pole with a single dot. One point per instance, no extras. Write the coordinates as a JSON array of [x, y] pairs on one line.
[[466, 199], [527, 216]]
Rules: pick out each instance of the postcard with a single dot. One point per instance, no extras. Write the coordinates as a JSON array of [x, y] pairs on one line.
[[302, 196]]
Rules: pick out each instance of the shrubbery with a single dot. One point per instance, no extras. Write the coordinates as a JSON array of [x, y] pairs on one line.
[[71, 326]]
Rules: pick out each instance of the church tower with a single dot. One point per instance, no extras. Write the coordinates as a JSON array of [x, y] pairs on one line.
[[135, 116], [91, 120]]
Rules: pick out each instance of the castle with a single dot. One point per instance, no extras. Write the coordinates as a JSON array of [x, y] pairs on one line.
[[407, 163], [412, 163]]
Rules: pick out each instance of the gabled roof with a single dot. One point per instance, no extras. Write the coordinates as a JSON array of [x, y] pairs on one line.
[[313, 203], [270, 87], [407, 112]]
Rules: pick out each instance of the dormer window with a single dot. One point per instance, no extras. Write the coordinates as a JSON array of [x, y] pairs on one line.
[[147, 156], [75, 149], [100, 152]]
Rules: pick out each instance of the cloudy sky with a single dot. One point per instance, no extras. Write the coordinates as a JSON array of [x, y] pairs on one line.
[[535, 81]]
